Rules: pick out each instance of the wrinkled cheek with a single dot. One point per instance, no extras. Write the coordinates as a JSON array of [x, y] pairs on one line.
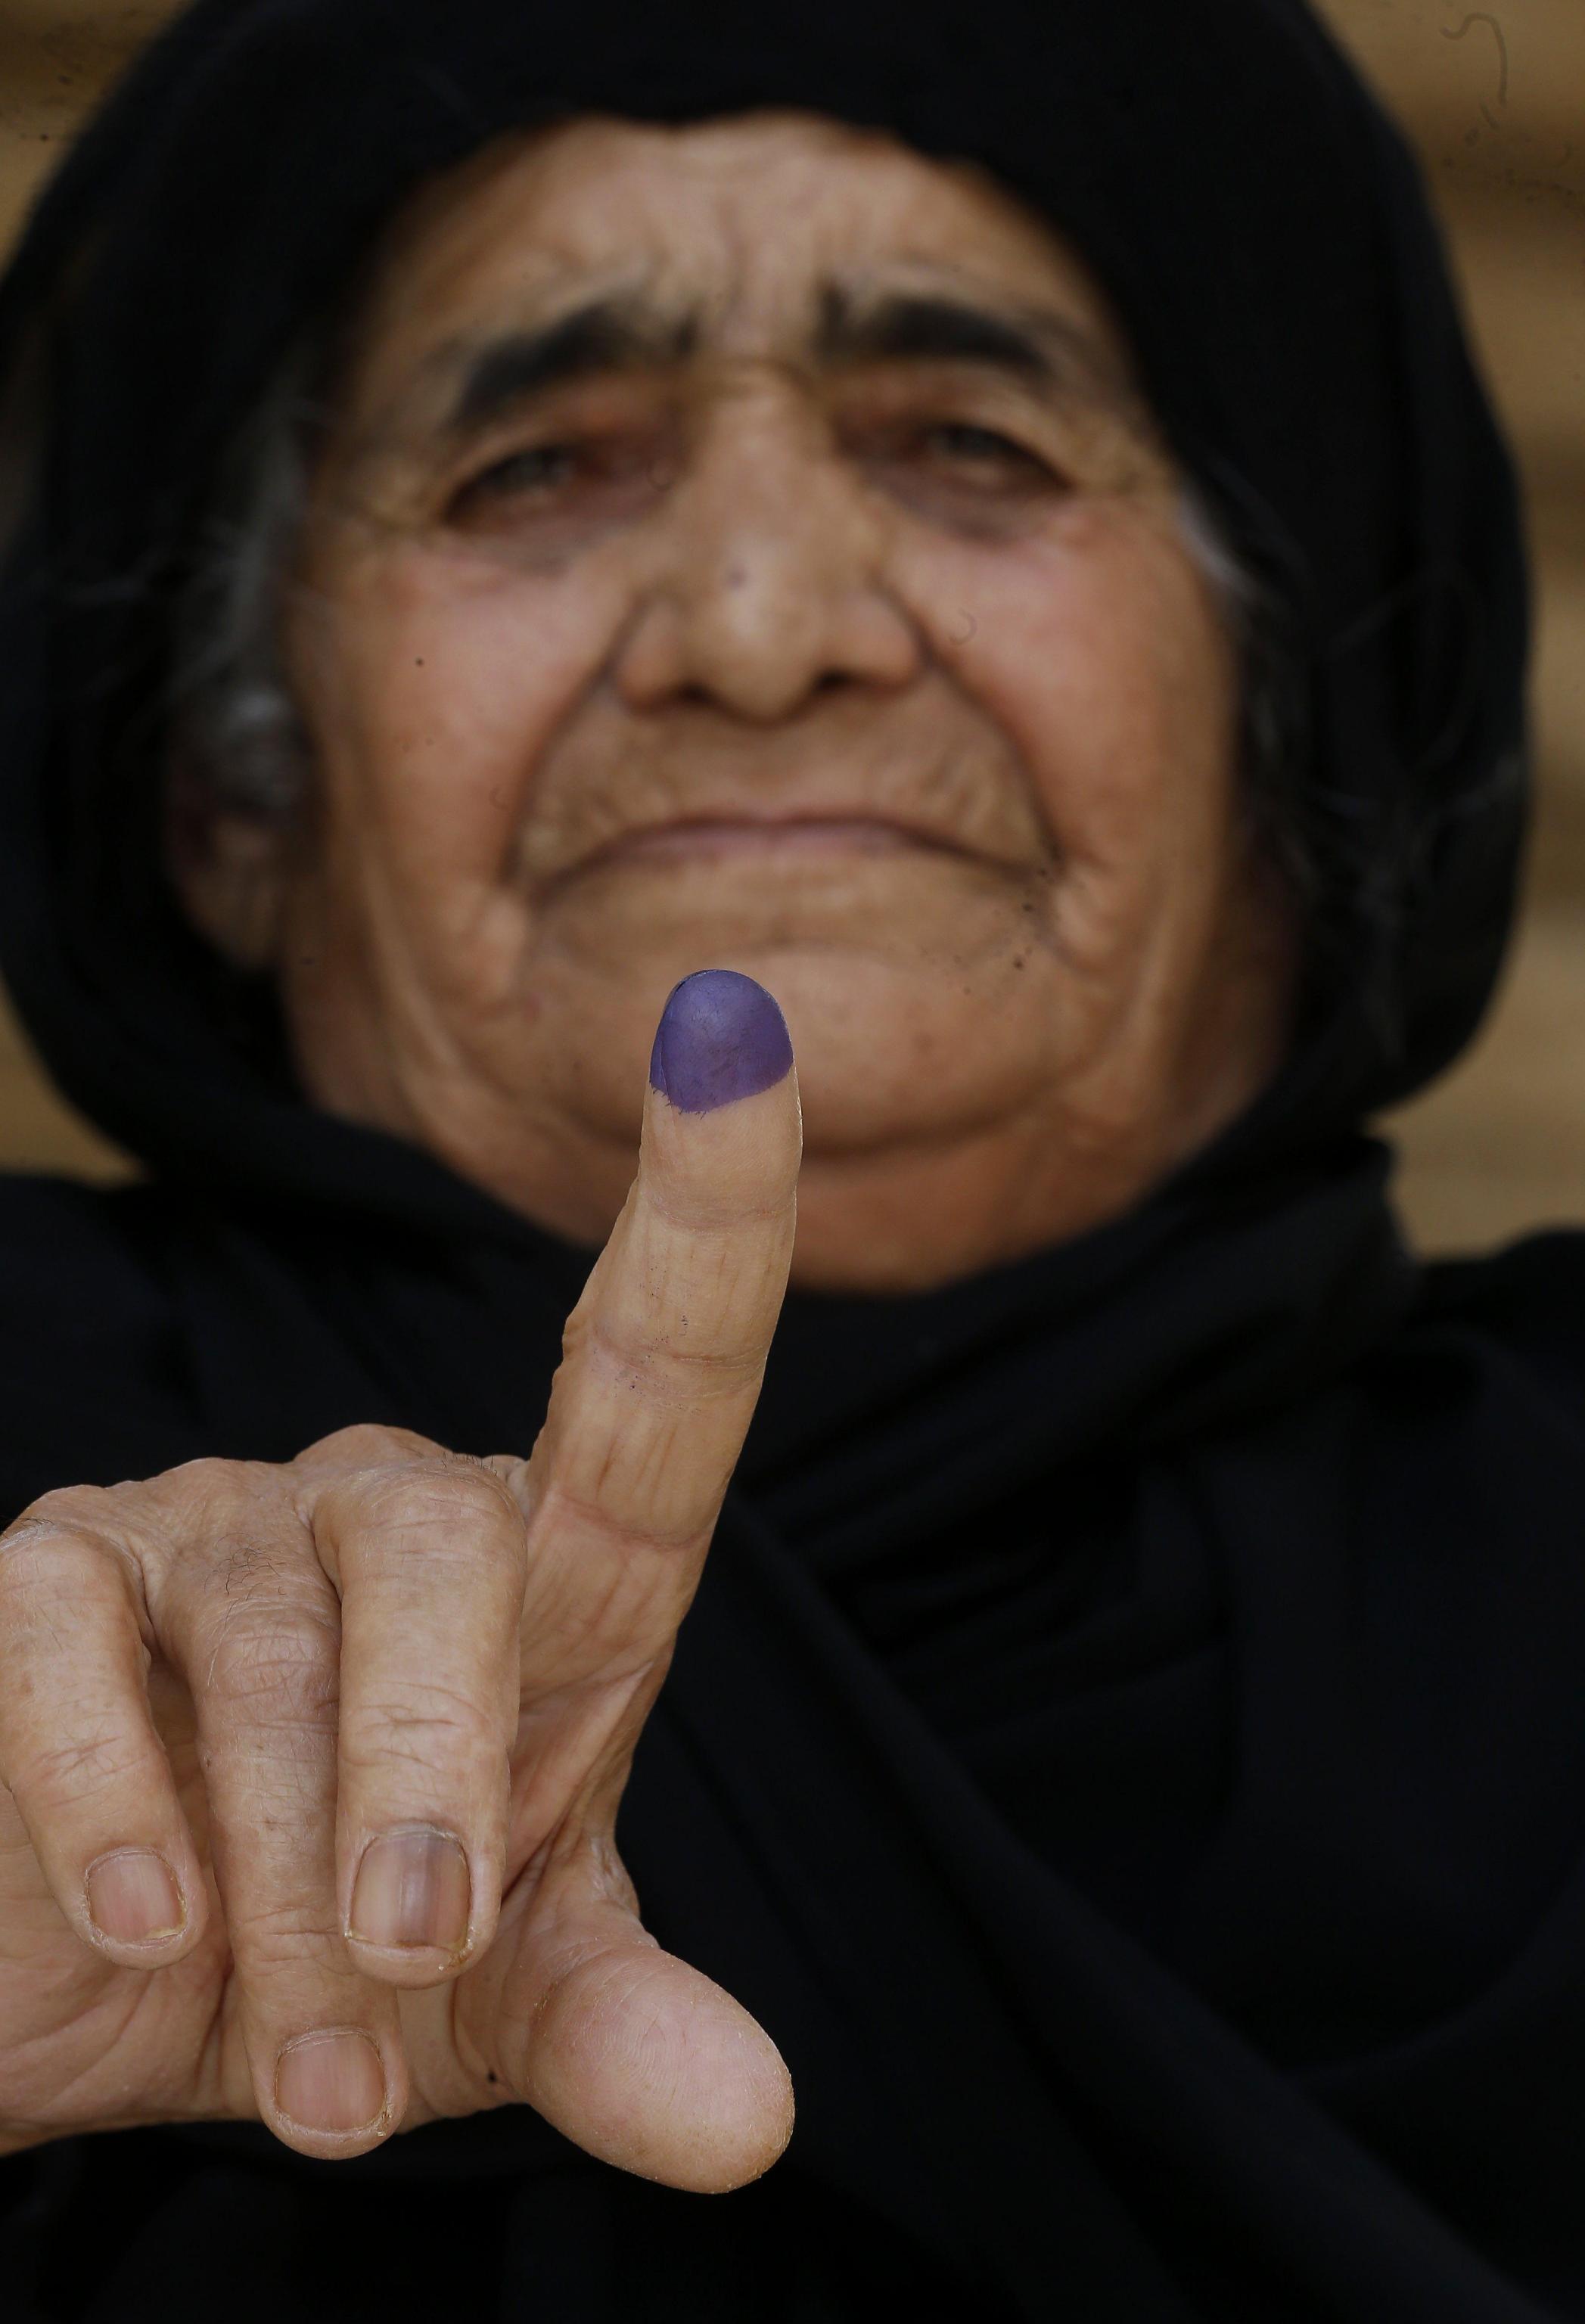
[[479, 947], [1097, 656], [1036, 634], [443, 681]]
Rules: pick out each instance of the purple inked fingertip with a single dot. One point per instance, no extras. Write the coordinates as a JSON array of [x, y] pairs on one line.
[[721, 1036]]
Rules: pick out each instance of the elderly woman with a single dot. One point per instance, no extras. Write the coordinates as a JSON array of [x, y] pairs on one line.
[[981, 553]]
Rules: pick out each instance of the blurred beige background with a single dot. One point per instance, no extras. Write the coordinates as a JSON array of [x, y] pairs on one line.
[[1495, 103]]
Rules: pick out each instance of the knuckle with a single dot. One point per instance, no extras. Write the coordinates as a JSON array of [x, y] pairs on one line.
[[365, 1444], [664, 1372], [424, 1727], [453, 1488], [67, 1508], [57, 1590], [72, 1518], [207, 1493], [209, 1477], [73, 1771], [288, 1934], [253, 1565], [447, 1508], [274, 1666], [42, 1578]]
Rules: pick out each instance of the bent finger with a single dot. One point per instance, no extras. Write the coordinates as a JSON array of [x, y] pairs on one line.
[[665, 1350], [78, 1748], [428, 1557], [260, 1655]]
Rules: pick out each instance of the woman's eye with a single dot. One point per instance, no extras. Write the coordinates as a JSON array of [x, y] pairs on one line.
[[537, 468], [961, 441], [961, 457]]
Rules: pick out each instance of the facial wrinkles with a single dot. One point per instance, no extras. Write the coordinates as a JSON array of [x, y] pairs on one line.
[[931, 760], [711, 258], [932, 763], [962, 792], [513, 704], [926, 756]]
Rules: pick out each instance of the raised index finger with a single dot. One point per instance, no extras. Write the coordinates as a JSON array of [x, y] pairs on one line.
[[664, 1351]]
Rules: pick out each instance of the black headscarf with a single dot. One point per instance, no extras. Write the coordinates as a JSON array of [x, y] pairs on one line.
[[1127, 1747]]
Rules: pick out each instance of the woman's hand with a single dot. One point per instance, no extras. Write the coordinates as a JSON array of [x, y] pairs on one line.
[[312, 1771]]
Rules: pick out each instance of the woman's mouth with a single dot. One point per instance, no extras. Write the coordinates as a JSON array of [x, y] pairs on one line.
[[721, 838]]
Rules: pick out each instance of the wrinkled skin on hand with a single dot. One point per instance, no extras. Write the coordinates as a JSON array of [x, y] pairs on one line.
[[228, 1692]]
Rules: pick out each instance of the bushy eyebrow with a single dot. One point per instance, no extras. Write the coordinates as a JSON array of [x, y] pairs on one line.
[[1044, 350], [603, 335], [1040, 349]]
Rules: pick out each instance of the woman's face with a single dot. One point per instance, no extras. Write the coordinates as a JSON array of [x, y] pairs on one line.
[[741, 546]]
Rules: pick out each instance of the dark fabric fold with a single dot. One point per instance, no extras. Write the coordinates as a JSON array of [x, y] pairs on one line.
[[1128, 1918]]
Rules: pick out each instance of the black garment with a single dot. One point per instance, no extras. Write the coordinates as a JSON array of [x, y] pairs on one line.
[[1127, 1746]]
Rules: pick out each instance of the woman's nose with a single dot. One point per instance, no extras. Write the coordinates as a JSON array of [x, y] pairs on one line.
[[769, 585]]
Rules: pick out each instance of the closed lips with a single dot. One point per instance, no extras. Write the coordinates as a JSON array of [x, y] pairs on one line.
[[733, 834]]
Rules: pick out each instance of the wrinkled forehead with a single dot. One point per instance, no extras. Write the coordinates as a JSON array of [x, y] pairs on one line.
[[772, 234]]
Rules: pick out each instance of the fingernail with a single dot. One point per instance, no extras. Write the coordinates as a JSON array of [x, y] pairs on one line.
[[721, 1036], [412, 1889], [331, 2080], [134, 1898]]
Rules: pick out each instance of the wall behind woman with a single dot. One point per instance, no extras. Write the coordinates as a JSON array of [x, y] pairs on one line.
[[1492, 101]]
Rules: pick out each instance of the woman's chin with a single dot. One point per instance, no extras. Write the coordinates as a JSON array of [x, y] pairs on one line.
[[891, 1029]]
